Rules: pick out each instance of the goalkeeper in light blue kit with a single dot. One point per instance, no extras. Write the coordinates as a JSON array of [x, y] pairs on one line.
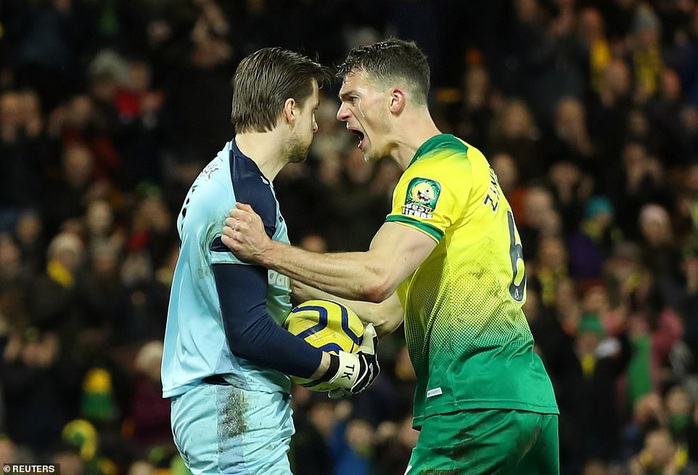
[[226, 356]]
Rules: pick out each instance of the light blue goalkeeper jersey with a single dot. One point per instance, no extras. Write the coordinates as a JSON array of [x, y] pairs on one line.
[[195, 341]]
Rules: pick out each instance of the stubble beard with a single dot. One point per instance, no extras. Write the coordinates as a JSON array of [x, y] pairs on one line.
[[296, 151]]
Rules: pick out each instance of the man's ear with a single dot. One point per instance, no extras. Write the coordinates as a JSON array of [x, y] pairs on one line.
[[290, 111], [397, 101]]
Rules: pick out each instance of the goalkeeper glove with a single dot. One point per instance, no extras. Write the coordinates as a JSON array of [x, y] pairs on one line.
[[354, 372]]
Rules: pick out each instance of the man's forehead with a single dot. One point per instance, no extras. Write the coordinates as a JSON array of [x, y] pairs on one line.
[[354, 80]]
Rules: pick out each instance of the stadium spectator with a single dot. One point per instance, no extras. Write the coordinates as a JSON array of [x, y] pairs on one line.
[[632, 64]]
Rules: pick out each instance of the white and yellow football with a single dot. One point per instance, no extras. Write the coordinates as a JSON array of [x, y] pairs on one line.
[[327, 325]]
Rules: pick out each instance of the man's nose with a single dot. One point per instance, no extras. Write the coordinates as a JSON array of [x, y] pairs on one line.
[[343, 113]]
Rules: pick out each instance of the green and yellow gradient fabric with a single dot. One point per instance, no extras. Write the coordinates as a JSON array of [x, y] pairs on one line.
[[467, 336]]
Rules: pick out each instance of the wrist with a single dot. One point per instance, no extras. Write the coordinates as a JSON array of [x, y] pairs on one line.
[[267, 256], [328, 367]]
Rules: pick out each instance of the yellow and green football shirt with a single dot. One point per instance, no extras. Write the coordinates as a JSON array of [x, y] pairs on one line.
[[467, 336]]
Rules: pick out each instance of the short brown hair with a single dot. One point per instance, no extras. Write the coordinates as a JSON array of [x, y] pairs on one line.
[[264, 80], [389, 60]]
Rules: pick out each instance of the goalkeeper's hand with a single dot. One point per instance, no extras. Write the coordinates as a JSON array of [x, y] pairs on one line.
[[354, 372]]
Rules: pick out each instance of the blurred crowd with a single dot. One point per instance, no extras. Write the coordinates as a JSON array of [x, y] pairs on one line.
[[587, 111]]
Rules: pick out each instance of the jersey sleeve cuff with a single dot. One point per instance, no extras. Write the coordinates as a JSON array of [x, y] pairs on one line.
[[435, 233], [332, 370]]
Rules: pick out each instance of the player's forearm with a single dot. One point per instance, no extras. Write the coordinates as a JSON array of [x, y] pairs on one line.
[[351, 275], [385, 316]]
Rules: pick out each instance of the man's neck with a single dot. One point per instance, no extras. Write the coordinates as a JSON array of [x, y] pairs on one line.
[[412, 132], [263, 148]]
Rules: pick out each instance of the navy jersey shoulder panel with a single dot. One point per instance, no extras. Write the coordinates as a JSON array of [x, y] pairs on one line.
[[252, 188]]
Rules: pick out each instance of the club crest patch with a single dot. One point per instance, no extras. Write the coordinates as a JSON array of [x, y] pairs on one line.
[[422, 195]]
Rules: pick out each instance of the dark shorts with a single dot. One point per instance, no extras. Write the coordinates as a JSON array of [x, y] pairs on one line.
[[487, 442]]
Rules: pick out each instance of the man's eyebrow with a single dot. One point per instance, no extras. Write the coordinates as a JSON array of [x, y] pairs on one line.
[[345, 94]]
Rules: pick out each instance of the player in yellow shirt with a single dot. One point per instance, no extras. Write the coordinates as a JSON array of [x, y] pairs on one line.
[[449, 261]]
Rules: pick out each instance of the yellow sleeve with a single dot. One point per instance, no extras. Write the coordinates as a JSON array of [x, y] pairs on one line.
[[431, 194]]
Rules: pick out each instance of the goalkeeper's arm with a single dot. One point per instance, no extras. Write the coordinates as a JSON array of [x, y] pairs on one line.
[[253, 335], [250, 331]]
